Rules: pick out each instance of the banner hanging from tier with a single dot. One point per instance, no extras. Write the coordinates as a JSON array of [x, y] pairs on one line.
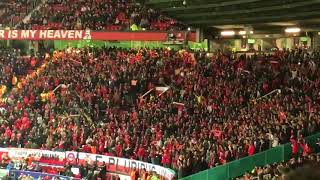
[[89, 35], [60, 158], [17, 174]]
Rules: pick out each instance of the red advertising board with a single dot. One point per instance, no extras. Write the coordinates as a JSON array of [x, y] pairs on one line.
[[88, 35]]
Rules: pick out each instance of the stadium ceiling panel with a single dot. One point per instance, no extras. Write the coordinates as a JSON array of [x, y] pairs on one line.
[[273, 14]]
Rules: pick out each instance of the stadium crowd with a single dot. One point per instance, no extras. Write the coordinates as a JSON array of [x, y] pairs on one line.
[[110, 15], [15, 67], [301, 163], [199, 111], [13, 11]]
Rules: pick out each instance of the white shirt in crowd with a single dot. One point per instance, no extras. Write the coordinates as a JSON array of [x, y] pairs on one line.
[[294, 73]]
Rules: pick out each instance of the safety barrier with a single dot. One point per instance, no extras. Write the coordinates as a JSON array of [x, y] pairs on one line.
[[241, 166]]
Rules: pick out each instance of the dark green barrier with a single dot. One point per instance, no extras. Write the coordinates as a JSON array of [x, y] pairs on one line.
[[241, 166]]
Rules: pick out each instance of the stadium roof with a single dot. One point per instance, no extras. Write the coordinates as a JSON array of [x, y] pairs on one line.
[[273, 15]]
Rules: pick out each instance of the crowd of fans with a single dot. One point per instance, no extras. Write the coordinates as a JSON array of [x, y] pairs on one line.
[[303, 161], [281, 170], [217, 109], [14, 67], [110, 15], [13, 11], [182, 110]]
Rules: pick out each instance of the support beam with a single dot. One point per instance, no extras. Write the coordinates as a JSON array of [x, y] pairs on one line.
[[205, 6], [253, 20], [248, 11]]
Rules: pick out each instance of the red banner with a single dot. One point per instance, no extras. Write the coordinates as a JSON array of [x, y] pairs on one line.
[[56, 158], [44, 34], [88, 35]]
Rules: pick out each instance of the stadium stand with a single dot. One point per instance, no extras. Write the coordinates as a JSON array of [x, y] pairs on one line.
[[198, 112], [109, 15], [180, 109], [13, 11]]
